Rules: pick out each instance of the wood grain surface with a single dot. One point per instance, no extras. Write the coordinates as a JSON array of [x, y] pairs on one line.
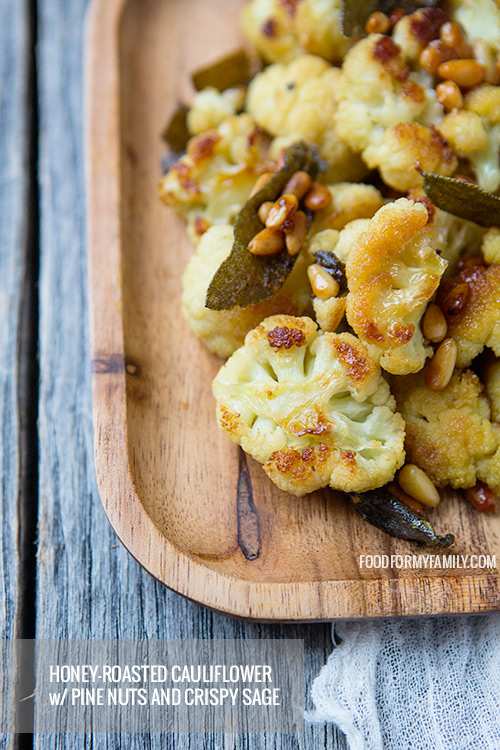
[[169, 480], [88, 586]]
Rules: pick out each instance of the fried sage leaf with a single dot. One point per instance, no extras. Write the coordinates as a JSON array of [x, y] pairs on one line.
[[333, 265], [233, 70], [176, 134], [355, 13], [383, 510], [463, 199], [246, 279]]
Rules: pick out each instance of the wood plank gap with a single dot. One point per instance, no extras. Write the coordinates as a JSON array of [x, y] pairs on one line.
[[27, 394]]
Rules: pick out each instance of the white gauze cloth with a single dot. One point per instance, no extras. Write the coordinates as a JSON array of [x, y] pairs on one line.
[[426, 684]]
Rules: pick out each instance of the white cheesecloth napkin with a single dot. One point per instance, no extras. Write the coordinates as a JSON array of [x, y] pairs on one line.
[[426, 684]]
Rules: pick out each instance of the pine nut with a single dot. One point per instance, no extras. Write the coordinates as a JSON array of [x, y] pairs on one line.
[[261, 181], [282, 212], [396, 15], [318, 197], [323, 285], [410, 502], [264, 210], [452, 35], [434, 54], [449, 95], [457, 299], [298, 184], [481, 497], [434, 324], [417, 484], [442, 365], [267, 242], [296, 235], [483, 53], [377, 23], [465, 73]]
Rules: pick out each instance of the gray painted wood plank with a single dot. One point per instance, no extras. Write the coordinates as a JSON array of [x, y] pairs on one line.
[[88, 586], [14, 238]]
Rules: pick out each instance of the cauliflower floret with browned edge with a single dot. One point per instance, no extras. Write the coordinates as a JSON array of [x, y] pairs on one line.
[[313, 408], [212, 181], [282, 30], [474, 133], [413, 32], [470, 302], [297, 101], [449, 433], [392, 272], [350, 201], [377, 92], [340, 243], [223, 332], [211, 107]]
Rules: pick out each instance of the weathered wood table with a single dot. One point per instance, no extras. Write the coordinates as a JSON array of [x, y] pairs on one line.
[[63, 574]]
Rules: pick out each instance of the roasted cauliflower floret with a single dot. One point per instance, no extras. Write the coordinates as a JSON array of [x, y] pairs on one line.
[[376, 92], [413, 32], [405, 148], [478, 18], [297, 101], [471, 305], [211, 107], [211, 182], [329, 312], [223, 332], [484, 102], [350, 201], [491, 245], [312, 408], [392, 272], [282, 30], [448, 433]]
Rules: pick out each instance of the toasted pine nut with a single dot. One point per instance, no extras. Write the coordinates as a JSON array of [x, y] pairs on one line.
[[267, 242], [481, 497], [417, 484], [483, 53], [442, 365], [457, 299], [465, 73], [260, 182], [434, 54], [318, 197], [434, 324], [396, 15], [323, 285], [298, 184], [410, 502], [282, 212], [449, 95], [452, 35], [295, 236], [264, 210], [377, 23]]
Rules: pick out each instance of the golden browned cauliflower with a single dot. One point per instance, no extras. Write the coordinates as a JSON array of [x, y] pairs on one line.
[[350, 201], [470, 302], [480, 19], [386, 112], [392, 272], [413, 32], [282, 30], [211, 182], [474, 134], [297, 101], [312, 408], [449, 433], [223, 332], [211, 107]]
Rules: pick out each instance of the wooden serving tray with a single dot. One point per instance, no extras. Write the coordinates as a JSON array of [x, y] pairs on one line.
[[185, 502]]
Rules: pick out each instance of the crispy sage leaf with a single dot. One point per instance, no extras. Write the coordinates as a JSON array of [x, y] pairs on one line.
[[243, 278], [176, 133], [356, 12], [463, 199], [233, 70], [333, 265], [383, 510]]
